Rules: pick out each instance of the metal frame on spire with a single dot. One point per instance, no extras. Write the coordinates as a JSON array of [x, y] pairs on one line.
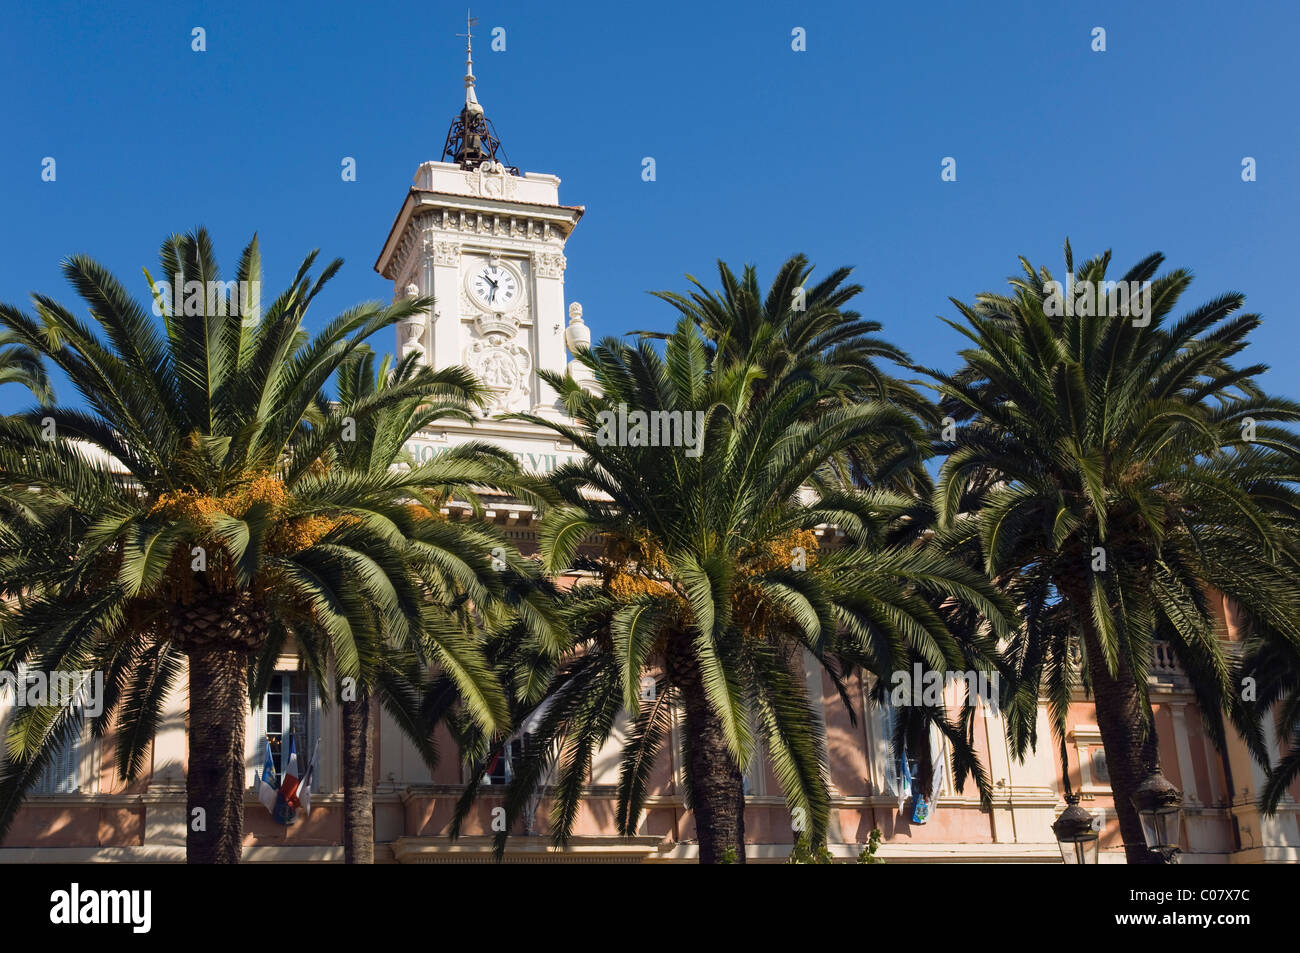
[[472, 139]]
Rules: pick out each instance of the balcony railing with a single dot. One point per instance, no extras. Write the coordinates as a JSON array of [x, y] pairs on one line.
[[1163, 660], [1162, 664]]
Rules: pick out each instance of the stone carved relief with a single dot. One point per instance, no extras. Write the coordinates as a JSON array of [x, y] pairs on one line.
[[504, 325], [549, 264], [492, 181], [444, 253], [503, 366]]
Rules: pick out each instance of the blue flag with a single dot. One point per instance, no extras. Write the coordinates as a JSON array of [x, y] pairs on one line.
[[904, 781], [268, 785], [920, 810]]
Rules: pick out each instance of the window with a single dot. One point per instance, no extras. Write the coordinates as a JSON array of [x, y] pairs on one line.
[[1094, 773], [649, 688], [62, 773], [501, 769], [887, 719], [290, 708], [1100, 773], [503, 765]]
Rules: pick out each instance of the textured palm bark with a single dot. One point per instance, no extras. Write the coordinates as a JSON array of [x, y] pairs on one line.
[[219, 630], [1127, 734], [358, 792], [1132, 754], [215, 781], [717, 786]]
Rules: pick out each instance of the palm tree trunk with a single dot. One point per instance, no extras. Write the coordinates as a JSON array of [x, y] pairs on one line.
[[215, 780], [1128, 734], [358, 792], [219, 631], [716, 784]]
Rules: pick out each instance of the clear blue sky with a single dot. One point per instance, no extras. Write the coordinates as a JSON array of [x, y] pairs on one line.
[[761, 151]]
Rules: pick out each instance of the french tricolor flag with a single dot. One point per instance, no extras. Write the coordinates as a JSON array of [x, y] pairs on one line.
[[286, 798]]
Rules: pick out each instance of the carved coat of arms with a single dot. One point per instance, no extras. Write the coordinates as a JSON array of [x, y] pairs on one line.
[[503, 366]]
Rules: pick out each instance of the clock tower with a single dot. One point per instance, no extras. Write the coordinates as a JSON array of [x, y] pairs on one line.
[[487, 243]]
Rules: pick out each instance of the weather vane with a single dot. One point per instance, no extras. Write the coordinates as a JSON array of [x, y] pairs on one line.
[[468, 34]]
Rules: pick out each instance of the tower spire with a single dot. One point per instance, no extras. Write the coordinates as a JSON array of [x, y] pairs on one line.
[[471, 101], [472, 140]]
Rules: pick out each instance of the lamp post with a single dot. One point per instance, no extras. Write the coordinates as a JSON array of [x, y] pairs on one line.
[[1160, 808], [1076, 833]]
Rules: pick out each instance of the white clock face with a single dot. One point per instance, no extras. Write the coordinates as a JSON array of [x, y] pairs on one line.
[[494, 287]]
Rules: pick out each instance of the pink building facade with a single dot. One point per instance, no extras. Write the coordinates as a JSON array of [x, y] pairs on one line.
[[82, 812]]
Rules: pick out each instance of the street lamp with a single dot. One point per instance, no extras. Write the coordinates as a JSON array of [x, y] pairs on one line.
[[1160, 807], [1076, 833]]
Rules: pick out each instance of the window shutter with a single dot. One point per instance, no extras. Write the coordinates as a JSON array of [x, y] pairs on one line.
[[61, 775], [68, 765], [314, 735], [939, 755], [259, 727], [46, 784], [886, 721]]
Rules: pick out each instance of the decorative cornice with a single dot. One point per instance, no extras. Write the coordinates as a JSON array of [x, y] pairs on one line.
[[404, 253], [509, 223], [471, 221]]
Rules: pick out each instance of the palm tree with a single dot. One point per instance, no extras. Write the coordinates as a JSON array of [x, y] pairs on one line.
[[469, 575], [711, 577], [800, 327], [1106, 471], [1271, 667], [19, 364], [185, 516]]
